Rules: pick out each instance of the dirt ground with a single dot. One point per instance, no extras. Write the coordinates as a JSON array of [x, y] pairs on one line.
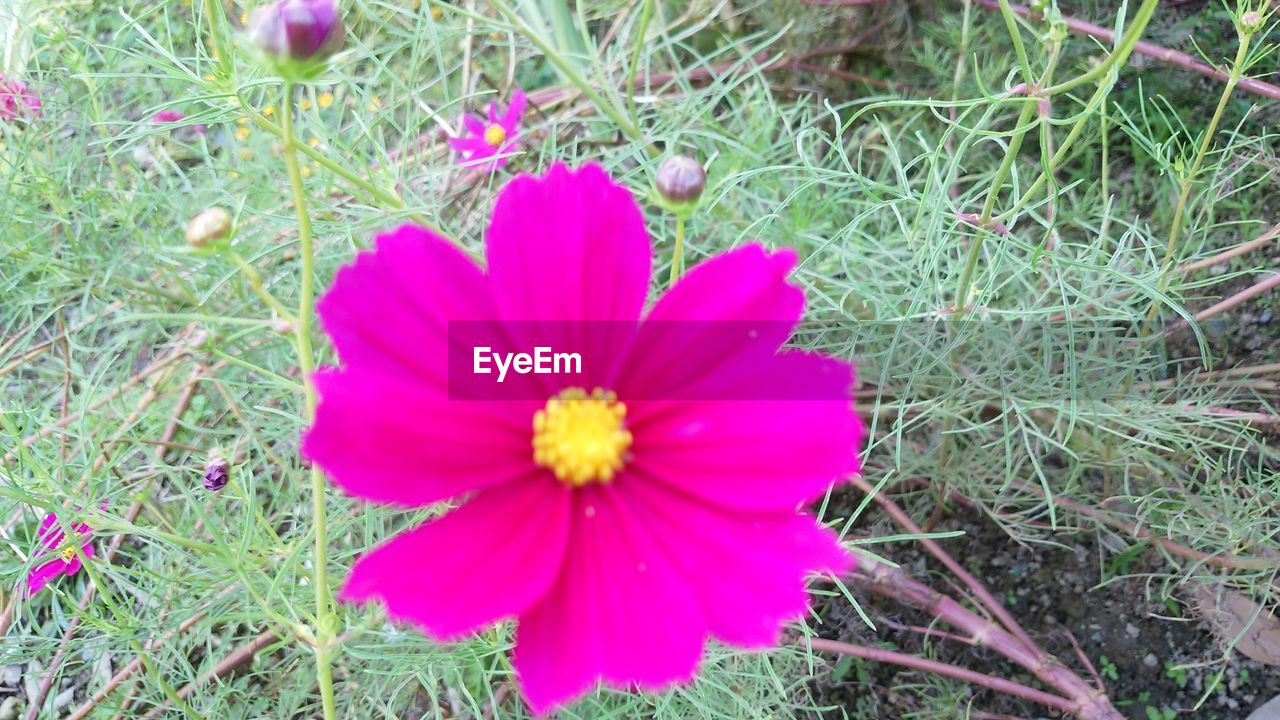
[[1052, 591]]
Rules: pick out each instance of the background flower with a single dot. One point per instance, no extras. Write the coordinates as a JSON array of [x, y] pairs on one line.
[[492, 139], [55, 552], [17, 100], [172, 116]]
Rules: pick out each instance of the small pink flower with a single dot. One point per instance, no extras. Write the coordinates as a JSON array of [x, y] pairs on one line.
[[16, 100], [623, 516], [173, 116], [494, 139], [54, 544]]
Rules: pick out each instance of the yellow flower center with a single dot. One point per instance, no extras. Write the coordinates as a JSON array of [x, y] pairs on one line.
[[495, 135], [68, 553], [581, 438]]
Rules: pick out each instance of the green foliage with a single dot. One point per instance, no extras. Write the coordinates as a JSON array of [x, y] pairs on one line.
[[1005, 406]]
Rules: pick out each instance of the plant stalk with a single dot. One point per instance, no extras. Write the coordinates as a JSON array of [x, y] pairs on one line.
[[325, 619], [677, 253]]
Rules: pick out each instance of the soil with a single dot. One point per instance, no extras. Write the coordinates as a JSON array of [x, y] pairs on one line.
[[1056, 592]]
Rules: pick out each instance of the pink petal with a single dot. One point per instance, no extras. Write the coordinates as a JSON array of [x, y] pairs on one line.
[[567, 247], [389, 311], [474, 125], [491, 558], [493, 113], [74, 565], [734, 309], [50, 533], [388, 439], [747, 571], [476, 147], [619, 612], [40, 576], [515, 111], [755, 454]]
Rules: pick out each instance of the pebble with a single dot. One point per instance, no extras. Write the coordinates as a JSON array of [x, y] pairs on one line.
[[9, 709], [1151, 660], [10, 675], [64, 698], [1132, 630], [1269, 711], [1265, 317]]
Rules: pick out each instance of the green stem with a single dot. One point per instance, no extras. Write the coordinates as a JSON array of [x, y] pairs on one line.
[[1011, 22], [1011, 155], [645, 14], [218, 33], [1237, 69], [677, 253], [1002, 173], [567, 68], [1117, 59], [1127, 42], [325, 619], [384, 196], [255, 282]]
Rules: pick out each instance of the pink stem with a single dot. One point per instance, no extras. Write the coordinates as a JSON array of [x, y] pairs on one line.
[[931, 632], [1007, 687], [1168, 55], [1086, 701], [975, 586], [1260, 241], [1248, 293], [1238, 562]]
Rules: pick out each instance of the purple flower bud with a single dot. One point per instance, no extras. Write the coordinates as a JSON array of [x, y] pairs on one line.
[[298, 30], [216, 473], [681, 179]]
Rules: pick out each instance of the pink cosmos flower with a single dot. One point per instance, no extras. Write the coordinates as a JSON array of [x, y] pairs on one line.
[[171, 116], [622, 528], [54, 544], [16, 100], [494, 139]]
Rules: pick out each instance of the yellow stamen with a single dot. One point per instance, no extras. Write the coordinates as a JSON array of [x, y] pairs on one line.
[[581, 438], [68, 553], [495, 135], [325, 100]]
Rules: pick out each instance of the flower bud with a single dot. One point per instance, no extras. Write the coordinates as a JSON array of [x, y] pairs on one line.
[[217, 472], [295, 34], [1251, 22], [209, 227], [681, 180]]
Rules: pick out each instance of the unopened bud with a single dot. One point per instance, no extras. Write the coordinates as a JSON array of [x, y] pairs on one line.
[[208, 227], [282, 326], [1251, 22], [297, 35], [681, 179], [217, 472]]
